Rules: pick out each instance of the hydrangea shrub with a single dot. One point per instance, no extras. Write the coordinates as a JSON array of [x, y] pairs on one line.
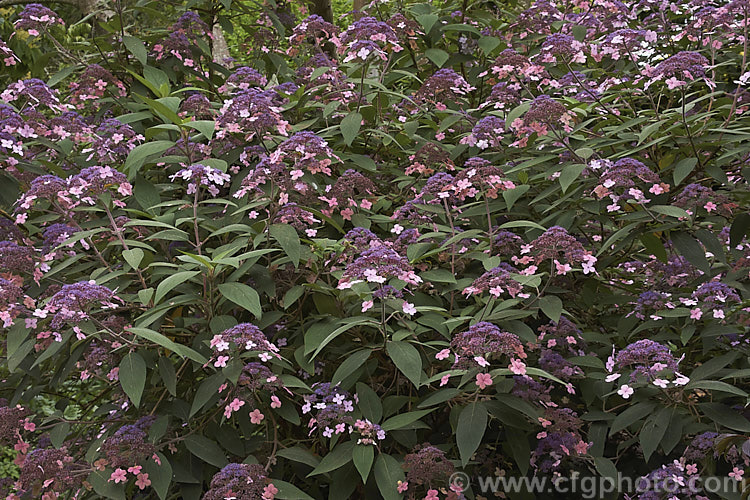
[[434, 238]]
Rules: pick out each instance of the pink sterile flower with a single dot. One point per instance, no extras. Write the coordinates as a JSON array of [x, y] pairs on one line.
[[135, 470], [736, 474], [29, 426], [710, 206], [118, 476], [443, 354], [625, 391], [367, 304], [409, 308], [444, 380], [221, 361], [484, 380], [696, 313], [517, 366], [432, 495], [256, 416], [402, 486], [612, 377], [562, 269], [691, 469], [235, 405], [269, 492], [275, 402], [143, 481]]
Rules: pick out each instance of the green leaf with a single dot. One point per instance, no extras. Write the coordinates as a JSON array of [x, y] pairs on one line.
[[58, 434], [157, 338], [630, 416], [160, 475], [205, 127], [570, 174], [654, 245], [207, 389], [206, 449], [406, 357], [653, 431], [242, 295], [138, 156], [104, 487], [340, 456], [512, 195], [439, 397], [740, 228], [134, 256], [288, 491], [369, 402], [683, 168], [350, 126], [488, 43], [132, 376], [301, 455], [350, 364], [136, 47], [552, 306], [691, 250], [605, 467], [404, 419], [427, 21], [437, 56], [388, 473], [472, 423], [723, 415], [171, 282], [670, 211], [315, 342], [363, 455], [287, 237], [168, 375]]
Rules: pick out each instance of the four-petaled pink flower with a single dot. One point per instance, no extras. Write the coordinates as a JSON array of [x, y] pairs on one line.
[[221, 361], [625, 391], [256, 416], [432, 495], [275, 402], [135, 470], [517, 366], [484, 380], [402, 486], [143, 481], [737, 474], [269, 492], [119, 476], [443, 354], [409, 308]]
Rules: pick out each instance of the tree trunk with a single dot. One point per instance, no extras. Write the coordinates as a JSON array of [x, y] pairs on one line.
[[220, 47], [359, 5], [323, 8]]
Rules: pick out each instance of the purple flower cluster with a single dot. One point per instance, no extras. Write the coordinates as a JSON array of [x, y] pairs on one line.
[[378, 265], [240, 481], [251, 112], [32, 93], [243, 78], [497, 281], [202, 176], [331, 406], [73, 302], [366, 37], [35, 17], [113, 141], [486, 133], [427, 465], [483, 342], [129, 445], [646, 358]]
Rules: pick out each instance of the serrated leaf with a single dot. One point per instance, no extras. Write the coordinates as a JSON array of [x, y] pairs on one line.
[[132, 376], [363, 455], [206, 449], [472, 424], [388, 473], [136, 47], [407, 359], [350, 126], [288, 238], [242, 295], [133, 256]]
